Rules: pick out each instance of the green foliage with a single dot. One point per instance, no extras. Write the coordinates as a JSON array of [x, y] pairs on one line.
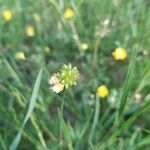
[[76, 118]]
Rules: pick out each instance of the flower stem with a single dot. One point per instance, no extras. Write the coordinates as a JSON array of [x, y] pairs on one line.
[[61, 114], [96, 116]]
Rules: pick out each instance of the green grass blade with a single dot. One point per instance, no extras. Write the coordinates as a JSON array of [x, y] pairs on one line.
[[2, 143], [95, 121], [34, 96], [11, 70], [143, 142], [126, 124], [66, 132], [126, 88]]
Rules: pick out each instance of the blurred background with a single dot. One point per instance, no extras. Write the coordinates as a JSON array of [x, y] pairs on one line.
[[99, 37]]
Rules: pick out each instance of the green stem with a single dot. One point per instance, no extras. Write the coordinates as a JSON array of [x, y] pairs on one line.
[[61, 114], [95, 52], [39, 132], [3, 145], [96, 116]]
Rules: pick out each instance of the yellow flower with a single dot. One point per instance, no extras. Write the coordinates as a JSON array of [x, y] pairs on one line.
[[69, 13], [120, 54], [46, 49], [20, 55], [84, 46], [7, 15], [30, 31], [102, 91]]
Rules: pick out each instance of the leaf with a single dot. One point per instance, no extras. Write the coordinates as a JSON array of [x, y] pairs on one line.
[[32, 103], [95, 121], [126, 88], [11, 70], [126, 124]]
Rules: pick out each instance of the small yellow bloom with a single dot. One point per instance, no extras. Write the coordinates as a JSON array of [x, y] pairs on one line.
[[46, 49], [120, 54], [69, 13], [30, 31], [102, 91], [84, 46], [7, 15], [20, 55]]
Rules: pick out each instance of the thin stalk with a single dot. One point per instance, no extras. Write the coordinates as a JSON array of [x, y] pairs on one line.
[[76, 37], [96, 116], [95, 53], [3, 145], [39, 132], [61, 114]]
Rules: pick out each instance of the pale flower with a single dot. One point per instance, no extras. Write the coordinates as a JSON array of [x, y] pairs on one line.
[[84, 46], [58, 87], [20, 55], [30, 31]]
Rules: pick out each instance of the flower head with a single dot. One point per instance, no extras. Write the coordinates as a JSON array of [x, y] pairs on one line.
[[47, 49], [102, 91], [55, 83], [69, 13], [67, 76], [7, 15], [30, 31], [84, 46], [20, 55], [54, 79], [120, 54]]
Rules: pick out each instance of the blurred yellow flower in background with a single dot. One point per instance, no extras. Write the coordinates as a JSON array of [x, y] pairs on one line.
[[120, 54], [30, 31], [69, 13], [7, 15], [84, 46], [102, 91], [46, 49], [20, 55]]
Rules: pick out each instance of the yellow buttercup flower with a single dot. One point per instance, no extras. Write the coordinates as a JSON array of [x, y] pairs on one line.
[[120, 54], [30, 31], [102, 91], [47, 49], [84, 46], [69, 13], [20, 55], [7, 15]]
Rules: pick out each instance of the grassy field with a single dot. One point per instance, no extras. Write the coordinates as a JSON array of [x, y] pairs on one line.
[[107, 41]]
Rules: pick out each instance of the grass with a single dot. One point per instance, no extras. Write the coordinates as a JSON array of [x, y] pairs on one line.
[[34, 117]]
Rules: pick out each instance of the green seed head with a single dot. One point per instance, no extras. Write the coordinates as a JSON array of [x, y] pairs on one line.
[[69, 75]]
